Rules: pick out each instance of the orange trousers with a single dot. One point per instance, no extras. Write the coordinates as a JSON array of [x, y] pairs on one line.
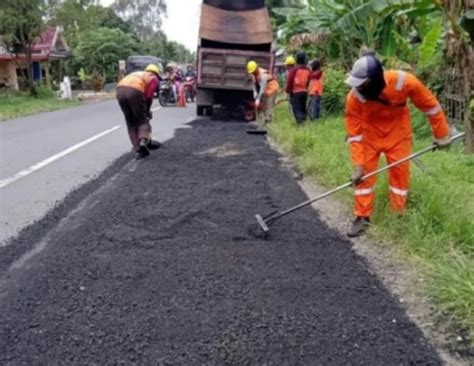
[[399, 177]]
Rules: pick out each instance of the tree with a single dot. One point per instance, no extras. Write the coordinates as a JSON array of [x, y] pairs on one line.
[[144, 15], [99, 50], [21, 23]]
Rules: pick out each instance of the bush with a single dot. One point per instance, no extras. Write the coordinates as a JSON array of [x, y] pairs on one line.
[[44, 91], [335, 90]]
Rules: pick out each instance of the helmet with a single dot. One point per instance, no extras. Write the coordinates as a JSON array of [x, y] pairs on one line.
[[290, 60], [252, 67], [153, 68]]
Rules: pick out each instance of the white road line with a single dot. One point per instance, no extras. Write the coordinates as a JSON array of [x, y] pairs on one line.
[[42, 164], [157, 108]]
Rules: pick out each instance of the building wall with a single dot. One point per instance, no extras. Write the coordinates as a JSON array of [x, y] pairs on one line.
[[8, 74]]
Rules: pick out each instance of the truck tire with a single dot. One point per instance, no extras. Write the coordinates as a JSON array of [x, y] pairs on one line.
[[200, 110], [209, 110]]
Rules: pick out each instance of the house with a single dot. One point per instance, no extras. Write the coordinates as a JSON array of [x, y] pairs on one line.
[[50, 50]]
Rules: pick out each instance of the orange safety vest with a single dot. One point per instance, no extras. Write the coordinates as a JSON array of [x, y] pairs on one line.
[[384, 125], [301, 81], [272, 83], [138, 80], [316, 86]]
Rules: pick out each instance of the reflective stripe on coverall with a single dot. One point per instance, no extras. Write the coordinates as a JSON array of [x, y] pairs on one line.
[[374, 128]]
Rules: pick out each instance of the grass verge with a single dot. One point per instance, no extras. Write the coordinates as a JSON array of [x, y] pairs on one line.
[[437, 232], [20, 105]]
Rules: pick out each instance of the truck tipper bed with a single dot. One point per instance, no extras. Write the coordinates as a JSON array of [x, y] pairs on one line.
[[231, 33]]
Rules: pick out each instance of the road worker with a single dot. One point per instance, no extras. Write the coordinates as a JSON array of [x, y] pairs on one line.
[[265, 90], [297, 87], [378, 121], [316, 86], [135, 94]]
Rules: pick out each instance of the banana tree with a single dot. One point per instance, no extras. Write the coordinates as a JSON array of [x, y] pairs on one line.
[[385, 25]]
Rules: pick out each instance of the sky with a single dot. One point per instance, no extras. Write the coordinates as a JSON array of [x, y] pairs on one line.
[[182, 23]]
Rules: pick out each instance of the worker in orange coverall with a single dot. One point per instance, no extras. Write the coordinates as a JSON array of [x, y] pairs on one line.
[[378, 122]]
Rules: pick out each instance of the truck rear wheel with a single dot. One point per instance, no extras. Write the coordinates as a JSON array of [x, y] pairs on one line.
[[200, 110], [204, 110]]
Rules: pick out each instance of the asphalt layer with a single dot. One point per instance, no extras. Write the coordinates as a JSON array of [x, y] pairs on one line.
[[153, 263]]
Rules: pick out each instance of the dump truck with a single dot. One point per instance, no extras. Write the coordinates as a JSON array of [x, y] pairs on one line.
[[231, 33]]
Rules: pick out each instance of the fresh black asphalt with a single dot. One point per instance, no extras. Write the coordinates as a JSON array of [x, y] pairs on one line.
[[153, 264]]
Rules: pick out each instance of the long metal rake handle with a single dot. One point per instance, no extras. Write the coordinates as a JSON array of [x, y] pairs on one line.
[[268, 220]]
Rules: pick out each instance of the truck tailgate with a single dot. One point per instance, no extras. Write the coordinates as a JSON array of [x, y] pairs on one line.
[[226, 69]]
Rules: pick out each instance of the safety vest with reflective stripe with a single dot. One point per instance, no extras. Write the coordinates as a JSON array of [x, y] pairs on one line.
[[386, 122], [272, 83], [138, 80]]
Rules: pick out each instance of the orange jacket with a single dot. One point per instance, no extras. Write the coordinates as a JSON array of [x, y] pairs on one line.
[[272, 83], [298, 80], [138, 80], [316, 83], [384, 126]]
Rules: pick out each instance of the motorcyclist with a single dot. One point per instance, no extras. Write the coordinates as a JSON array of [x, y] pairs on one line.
[[190, 72]]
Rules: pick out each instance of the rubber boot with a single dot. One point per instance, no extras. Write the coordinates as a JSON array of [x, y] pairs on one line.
[[143, 151], [359, 227], [153, 145]]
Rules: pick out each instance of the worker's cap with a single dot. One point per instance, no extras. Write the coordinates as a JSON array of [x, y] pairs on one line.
[[252, 66], [153, 68], [363, 68]]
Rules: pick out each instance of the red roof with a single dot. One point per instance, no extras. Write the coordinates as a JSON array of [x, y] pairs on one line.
[[44, 47], [47, 40]]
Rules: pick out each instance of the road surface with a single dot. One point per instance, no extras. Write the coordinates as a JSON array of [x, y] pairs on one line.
[[43, 157], [155, 263]]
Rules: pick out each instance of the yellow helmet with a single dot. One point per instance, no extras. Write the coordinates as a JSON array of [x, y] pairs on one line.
[[290, 60], [153, 68], [252, 67]]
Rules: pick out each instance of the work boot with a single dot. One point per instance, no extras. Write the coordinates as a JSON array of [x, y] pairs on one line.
[[143, 151], [359, 227], [153, 145]]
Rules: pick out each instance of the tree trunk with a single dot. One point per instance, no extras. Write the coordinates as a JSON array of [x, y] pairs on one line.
[[47, 74]]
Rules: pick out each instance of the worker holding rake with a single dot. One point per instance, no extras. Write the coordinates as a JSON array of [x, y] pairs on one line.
[[378, 121]]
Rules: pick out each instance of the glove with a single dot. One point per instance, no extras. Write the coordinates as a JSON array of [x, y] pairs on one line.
[[150, 115], [357, 174], [443, 143]]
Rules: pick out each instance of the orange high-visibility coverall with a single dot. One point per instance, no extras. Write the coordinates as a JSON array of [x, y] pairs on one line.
[[374, 128]]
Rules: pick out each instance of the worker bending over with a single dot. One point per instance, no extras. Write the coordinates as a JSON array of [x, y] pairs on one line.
[[265, 90], [378, 121], [135, 94]]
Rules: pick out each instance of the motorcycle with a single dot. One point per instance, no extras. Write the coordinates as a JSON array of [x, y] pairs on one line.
[[165, 94], [190, 88]]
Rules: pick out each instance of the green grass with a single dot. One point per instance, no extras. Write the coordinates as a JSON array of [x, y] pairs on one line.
[[437, 232], [15, 105]]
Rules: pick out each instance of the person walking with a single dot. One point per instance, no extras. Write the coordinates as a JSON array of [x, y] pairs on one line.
[[265, 90], [378, 122], [297, 87], [316, 86], [135, 94]]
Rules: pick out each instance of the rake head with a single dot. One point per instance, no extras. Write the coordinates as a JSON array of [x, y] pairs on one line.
[[261, 222]]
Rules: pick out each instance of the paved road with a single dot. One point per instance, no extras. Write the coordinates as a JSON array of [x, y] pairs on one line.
[[25, 142], [155, 264]]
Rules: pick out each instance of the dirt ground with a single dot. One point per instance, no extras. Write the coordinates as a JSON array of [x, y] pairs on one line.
[[153, 263]]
